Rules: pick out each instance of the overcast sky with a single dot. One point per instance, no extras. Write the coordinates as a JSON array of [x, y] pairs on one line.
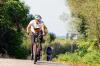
[[50, 10]]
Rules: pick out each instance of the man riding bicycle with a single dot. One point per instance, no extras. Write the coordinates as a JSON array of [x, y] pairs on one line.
[[37, 27]]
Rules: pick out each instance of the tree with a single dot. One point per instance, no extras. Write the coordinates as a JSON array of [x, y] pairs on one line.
[[88, 11], [50, 37], [16, 13], [13, 17]]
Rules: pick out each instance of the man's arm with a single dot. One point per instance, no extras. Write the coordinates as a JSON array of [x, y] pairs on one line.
[[28, 27], [43, 28]]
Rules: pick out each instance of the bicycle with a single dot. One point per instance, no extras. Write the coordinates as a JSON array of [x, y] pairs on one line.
[[36, 48]]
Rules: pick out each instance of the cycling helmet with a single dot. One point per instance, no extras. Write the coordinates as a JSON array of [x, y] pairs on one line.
[[37, 17]]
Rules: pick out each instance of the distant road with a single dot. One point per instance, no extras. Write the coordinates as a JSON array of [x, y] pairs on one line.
[[18, 62]]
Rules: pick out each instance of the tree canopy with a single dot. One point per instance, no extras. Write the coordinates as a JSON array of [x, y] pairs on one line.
[[88, 11], [13, 17]]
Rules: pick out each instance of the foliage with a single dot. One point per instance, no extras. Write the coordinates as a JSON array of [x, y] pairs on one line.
[[13, 18], [91, 58], [50, 37], [16, 13], [85, 52], [88, 11], [69, 57], [30, 17], [85, 17]]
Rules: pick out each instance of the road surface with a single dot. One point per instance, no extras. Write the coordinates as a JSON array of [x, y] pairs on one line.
[[18, 62]]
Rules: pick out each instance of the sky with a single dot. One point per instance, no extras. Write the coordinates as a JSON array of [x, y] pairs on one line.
[[51, 10]]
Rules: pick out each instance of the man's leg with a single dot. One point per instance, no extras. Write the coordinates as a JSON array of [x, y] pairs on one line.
[[32, 55], [32, 42]]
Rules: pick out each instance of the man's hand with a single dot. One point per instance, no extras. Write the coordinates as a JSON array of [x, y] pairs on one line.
[[44, 34]]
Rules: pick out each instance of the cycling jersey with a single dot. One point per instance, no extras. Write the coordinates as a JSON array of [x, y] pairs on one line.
[[36, 26]]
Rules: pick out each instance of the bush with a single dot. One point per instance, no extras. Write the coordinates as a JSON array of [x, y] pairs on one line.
[[72, 57], [21, 53], [84, 53], [15, 48], [92, 58]]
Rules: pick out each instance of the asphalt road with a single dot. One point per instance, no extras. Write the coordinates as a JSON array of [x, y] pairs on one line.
[[18, 62]]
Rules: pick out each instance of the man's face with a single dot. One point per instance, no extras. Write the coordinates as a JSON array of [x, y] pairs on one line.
[[37, 21]]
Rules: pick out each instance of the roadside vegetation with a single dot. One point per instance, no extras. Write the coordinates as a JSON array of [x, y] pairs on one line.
[[85, 18], [15, 43]]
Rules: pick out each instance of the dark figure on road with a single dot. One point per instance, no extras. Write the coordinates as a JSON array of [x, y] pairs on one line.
[[49, 53]]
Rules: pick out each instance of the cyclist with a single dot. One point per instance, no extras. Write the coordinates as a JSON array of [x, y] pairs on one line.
[[36, 26]]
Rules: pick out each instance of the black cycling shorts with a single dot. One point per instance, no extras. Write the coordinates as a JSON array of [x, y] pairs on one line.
[[35, 35]]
